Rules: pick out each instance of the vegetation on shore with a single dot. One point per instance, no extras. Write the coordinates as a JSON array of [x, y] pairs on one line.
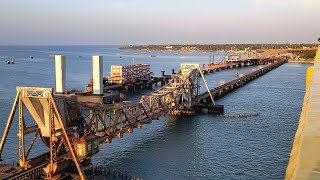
[[308, 54], [218, 47]]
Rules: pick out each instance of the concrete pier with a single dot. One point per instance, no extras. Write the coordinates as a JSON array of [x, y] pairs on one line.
[[60, 65], [232, 85], [97, 74]]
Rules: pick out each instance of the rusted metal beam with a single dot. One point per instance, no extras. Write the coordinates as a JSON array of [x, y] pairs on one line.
[[66, 138], [31, 129], [9, 122]]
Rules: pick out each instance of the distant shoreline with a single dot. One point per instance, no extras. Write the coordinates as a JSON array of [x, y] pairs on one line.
[[298, 53], [217, 47], [301, 61], [168, 50]]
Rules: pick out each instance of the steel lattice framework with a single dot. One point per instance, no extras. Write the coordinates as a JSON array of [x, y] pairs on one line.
[[74, 130], [104, 122]]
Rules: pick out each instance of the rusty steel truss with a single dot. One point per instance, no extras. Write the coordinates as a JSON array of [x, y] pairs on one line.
[[73, 130], [103, 122], [42, 107]]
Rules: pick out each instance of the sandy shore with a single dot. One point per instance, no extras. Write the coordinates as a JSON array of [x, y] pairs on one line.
[[301, 61]]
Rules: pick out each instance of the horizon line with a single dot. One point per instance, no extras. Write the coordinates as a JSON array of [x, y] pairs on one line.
[[160, 44]]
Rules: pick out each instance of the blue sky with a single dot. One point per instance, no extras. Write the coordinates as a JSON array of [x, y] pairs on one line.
[[99, 22]]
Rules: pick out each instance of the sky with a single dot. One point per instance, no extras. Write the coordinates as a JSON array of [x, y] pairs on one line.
[[131, 22]]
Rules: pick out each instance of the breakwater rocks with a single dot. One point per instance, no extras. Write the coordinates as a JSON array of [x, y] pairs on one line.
[[240, 115], [234, 116], [99, 172]]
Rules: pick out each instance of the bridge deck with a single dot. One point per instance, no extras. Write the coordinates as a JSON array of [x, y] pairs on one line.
[[234, 84], [304, 160]]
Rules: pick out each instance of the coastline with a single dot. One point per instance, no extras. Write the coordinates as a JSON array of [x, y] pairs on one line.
[[301, 61], [169, 50], [218, 47], [266, 52]]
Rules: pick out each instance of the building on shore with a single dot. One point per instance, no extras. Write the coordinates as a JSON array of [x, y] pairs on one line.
[[168, 47], [241, 55]]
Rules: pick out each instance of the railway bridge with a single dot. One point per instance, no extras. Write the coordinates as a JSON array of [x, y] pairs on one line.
[[73, 130]]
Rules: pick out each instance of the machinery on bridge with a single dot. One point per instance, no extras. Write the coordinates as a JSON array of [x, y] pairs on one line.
[[73, 130]]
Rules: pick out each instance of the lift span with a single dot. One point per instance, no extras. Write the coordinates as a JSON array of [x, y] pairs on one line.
[[74, 130]]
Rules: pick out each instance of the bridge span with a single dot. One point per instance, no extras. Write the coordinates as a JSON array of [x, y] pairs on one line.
[[304, 160], [73, 130]]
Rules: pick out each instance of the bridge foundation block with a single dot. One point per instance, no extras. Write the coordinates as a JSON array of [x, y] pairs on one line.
[[210, 109], [163, 82], [183, 112], [216, 109]]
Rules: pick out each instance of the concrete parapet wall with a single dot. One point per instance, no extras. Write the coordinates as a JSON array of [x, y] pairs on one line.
[[304, 160]]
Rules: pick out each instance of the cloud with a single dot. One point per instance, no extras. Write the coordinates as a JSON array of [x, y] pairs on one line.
[[310, 4]]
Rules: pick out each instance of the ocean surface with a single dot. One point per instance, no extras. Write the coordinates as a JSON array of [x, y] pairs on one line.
[[195, 147]]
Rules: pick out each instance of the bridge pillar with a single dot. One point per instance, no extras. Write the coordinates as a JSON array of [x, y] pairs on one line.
[[163, 82], [163, 72], [216, 109], [97, 74], [60, 64], [136, 87]]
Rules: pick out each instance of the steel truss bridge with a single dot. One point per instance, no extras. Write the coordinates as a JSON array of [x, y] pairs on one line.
[[74, 130]]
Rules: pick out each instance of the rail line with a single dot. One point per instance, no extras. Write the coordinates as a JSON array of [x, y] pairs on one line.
[[234, 84]]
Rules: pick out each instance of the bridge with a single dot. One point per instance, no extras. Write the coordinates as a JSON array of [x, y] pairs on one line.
[[74, 130], [238, 63], [304, 160]]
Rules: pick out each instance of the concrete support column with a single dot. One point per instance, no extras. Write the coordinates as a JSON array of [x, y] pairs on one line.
[[97, 74], [60, 64]]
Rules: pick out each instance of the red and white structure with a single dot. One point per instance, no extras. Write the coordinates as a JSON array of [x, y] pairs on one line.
[[129, 74]]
